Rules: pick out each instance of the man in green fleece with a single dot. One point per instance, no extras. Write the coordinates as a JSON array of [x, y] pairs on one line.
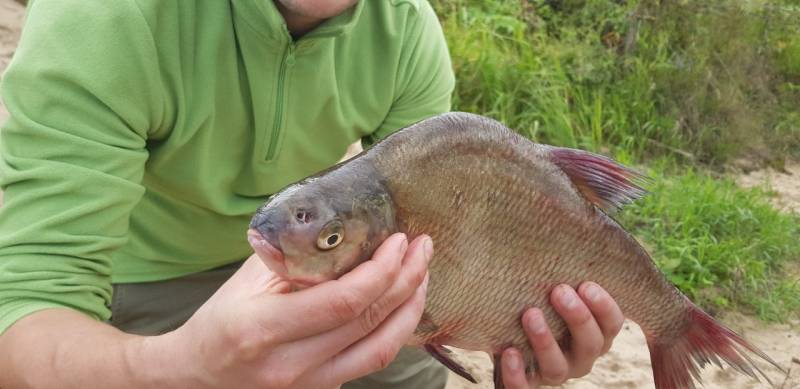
[[144, 134]]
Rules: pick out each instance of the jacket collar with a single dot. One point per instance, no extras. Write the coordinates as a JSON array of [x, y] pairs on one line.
[[263, 17]]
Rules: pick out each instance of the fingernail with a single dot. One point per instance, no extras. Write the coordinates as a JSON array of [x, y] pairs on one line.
[[536, 324], [427, 245], [592, 292], [567, 297], [512, 362]]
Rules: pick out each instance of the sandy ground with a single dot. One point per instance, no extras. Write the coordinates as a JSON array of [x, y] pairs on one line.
[[627, 365], [785, 185]]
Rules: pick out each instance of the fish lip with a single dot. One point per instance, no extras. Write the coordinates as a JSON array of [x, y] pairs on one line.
[[276, 262], [271, 256]]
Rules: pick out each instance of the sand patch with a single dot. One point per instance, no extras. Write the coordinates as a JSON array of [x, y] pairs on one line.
[[627, 364], [785, 185]]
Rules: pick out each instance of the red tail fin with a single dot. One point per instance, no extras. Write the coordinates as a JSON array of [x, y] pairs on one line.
[[675, 362]]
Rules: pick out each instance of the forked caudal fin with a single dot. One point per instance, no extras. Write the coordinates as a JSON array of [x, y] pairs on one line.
[[676, 361], [606, 183]]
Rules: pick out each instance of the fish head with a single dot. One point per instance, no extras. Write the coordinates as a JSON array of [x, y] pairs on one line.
[[321, 228]]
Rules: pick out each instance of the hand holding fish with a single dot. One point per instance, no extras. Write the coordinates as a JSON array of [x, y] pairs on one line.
[[252, 333], [512, 220], [593, 319]]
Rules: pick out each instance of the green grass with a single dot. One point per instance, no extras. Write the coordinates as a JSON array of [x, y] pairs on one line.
[[695, 84], [722, 245], [651, 78]]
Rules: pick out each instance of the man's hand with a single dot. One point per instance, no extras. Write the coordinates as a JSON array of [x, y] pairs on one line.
[[593, 319], [252, 333]]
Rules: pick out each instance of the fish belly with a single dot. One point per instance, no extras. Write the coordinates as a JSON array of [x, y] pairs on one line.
[[507, 252]]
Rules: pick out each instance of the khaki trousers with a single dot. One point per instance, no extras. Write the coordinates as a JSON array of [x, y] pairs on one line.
[[153, 308]]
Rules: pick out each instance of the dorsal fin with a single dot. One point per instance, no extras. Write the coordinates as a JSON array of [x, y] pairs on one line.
[[606, 183]]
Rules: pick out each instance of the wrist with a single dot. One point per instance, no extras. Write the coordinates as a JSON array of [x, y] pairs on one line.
[[158, 361]]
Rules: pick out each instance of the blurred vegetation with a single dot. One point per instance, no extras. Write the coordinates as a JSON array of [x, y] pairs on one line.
[[706, 81], [722, 245], [686, 87]]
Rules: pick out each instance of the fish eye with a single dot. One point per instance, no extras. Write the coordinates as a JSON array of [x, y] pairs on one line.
[[331, 235], [332, 239]]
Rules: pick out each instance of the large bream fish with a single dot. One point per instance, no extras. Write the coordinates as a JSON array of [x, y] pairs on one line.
[[510, 220]]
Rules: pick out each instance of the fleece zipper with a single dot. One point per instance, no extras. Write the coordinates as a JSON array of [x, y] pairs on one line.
[[286, 62]]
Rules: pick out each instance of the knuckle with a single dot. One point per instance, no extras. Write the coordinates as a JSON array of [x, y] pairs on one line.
[[590, 347], [280, 378], [372, 317], [417, 277], [544, 343], [554, 375], [246, 339], [581, 319], [595, 349], [606, 307], [385, 357], [346, 305], [250, 342], [391, 272]]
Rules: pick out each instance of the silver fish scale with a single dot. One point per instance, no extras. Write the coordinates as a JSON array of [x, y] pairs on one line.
[[507, 227]]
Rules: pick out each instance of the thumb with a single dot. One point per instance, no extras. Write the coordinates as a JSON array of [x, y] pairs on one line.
[[255, 274]]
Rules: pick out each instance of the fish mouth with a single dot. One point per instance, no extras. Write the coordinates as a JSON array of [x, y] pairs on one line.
[[276, 262], [271, 256]]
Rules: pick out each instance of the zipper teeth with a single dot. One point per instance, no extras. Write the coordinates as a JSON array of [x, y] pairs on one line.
[[278, 121]]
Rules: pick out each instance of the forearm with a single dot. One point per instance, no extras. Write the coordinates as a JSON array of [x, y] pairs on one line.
[[61, 348]]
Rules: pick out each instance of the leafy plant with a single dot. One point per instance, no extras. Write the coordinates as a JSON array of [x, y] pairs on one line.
[[720, 244], [699, 81]]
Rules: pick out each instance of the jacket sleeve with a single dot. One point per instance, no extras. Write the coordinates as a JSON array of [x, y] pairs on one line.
[[425, 80], [80, 92]]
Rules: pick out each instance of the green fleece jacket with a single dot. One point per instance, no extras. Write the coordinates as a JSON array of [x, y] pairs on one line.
[[145, 133]]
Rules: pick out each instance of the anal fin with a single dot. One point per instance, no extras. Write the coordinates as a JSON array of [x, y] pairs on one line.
[[440, 352], [497, 371]]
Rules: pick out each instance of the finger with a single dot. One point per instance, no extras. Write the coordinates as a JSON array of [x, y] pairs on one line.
[[317, 349], [334, 303], [587, 340], [552, 364], [605, 310], [513, 370], [377, 350]]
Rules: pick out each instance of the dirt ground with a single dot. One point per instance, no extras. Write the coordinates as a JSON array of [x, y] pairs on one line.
[[786, 185], [627, 365]]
